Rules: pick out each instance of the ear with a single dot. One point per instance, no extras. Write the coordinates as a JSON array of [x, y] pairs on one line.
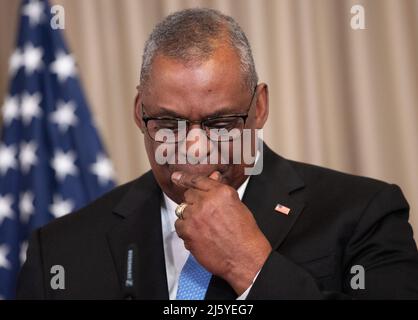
[[262, 105], [138, 112]]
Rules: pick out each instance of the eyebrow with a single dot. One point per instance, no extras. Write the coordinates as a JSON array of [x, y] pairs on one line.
[[162, 112], [165, 112]]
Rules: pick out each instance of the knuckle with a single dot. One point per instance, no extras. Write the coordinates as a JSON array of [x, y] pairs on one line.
[[195, 179], [186, 213], [228, 191], [177, 226], [186, 231], [189, 234]]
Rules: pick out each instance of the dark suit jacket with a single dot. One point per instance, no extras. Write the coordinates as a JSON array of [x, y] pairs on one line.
[[336, 221]]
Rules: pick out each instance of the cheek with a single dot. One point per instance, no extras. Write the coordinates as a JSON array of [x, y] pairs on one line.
[[163, 177], [149, 147], [161, 172]]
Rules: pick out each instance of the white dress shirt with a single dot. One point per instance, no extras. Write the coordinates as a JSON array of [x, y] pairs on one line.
[[174, 251]]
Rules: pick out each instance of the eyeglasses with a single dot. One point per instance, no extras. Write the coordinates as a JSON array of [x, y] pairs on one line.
[[223, 128]]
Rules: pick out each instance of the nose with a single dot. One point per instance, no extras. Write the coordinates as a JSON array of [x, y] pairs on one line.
[[197, 146]]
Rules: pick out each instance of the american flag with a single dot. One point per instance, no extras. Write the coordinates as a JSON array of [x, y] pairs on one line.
[[282, 209], [51, 159]]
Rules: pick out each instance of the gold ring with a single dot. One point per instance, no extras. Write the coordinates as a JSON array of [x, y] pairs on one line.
[[179, 210]]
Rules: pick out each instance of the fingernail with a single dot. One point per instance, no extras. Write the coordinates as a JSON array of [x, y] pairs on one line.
[[176, 176], [215, 175]]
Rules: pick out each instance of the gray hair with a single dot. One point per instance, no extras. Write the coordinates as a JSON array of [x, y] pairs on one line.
[[191, 36]]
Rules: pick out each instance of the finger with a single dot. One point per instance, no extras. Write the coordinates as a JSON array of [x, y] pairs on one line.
[[181, 227], [187, 245], [199, 182], [215, 175], [193, 196], [187, 211]]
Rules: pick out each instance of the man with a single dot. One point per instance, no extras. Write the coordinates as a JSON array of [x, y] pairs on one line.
[[209, 231]]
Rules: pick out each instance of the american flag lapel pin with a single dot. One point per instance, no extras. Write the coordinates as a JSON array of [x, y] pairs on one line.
[[282, 209]]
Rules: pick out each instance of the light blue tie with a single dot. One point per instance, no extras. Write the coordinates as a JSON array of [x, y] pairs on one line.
[[193, 282]]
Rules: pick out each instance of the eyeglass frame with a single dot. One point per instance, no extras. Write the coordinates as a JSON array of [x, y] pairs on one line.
[[243, 116]]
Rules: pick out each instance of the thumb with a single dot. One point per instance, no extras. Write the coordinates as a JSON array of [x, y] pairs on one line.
[[215, 175]]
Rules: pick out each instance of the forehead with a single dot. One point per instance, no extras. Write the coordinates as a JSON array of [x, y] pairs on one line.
[[219, 75]]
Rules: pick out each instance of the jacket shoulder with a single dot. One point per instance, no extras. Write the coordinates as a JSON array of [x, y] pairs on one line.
[[96, 215], [317, 176]]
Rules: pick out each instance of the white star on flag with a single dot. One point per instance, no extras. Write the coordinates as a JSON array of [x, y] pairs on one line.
[[15, 61], [63, 164], [64, 116], [30, 107], [10, 109], [61, 207], [27, 155], [103, 168], [63, 66], [7, 158], [26, 207], [6, 211], [35, 11], [22, 253], [32, 58], [4, 251]]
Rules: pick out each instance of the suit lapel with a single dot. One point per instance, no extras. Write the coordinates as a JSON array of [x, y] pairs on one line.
[[140, 224], [273, 186]]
